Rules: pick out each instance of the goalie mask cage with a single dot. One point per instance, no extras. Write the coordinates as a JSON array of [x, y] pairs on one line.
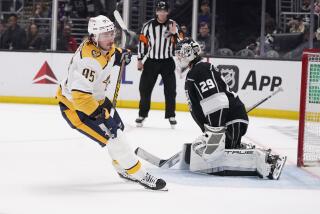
[[309, 118]]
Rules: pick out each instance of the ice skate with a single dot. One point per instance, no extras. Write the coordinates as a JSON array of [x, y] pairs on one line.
[[173, 122], [277, 166], [153, 183], [139, 121], [122, 173]]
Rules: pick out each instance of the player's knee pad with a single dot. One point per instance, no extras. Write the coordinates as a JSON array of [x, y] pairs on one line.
[[121, 151], [118, 146]]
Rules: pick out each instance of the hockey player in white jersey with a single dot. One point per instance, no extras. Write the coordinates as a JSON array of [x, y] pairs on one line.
[[84, 105], [222, 117]]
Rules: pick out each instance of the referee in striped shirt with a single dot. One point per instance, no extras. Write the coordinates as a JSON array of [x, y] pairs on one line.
[[157, 41]]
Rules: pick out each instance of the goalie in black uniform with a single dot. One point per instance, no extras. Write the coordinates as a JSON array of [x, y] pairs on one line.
[[223, 120]]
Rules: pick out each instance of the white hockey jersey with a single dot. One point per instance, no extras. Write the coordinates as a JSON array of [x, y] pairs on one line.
[[88, 76]]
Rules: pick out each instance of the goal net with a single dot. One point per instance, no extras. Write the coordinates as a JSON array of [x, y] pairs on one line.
[[309, 118]]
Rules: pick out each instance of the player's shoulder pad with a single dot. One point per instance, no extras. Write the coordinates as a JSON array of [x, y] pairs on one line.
[[89, 50], [199, 69], [202, 66]]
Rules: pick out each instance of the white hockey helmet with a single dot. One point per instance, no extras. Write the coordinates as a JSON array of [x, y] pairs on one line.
[[186, 51], [99, 24]]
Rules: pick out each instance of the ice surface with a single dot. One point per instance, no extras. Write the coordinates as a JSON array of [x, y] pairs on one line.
[[48, 168]]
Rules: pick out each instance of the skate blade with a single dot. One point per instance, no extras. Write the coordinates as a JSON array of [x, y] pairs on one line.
[[173, 126], [139, 125], [165, 189], [128, 181]]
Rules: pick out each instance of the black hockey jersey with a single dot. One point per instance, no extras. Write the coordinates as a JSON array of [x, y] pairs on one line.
[[210, 99]]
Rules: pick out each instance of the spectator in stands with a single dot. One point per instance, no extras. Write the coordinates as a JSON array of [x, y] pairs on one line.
[[14, 38], [77, 9], [316, 41], [306, 6], [40, 15], [296, 25], [40, 11], [224, 52], [268, 45], [317, 6], [66, 42], [204, 38], [34, 40], [2, 30], [247, 53], [185, 31], [84, 8], [297, 52], [270, 24], [61, 11], [205, 15], [272, 54]]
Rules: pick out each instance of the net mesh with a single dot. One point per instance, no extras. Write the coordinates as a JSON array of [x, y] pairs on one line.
[[312, 112]]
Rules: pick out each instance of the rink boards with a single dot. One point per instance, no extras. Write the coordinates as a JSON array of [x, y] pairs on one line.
[[33, 78]]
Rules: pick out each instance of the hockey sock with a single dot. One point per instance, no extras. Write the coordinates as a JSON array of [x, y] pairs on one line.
[[120, 151]]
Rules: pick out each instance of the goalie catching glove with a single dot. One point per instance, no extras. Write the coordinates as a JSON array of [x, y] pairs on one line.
[[212, 139]]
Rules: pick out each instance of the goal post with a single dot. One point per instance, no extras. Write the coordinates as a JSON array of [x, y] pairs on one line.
[[309, 113]]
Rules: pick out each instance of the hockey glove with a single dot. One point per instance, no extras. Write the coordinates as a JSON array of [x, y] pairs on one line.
[[117, 119], [112, 123]]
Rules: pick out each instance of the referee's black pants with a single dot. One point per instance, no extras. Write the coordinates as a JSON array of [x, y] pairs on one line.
[[152, 68]]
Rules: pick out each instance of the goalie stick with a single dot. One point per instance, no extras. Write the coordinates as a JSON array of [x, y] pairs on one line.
[[170, 162], [264, 99]]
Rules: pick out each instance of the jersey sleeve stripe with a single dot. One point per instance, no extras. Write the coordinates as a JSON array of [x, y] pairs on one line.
[[214, 103]]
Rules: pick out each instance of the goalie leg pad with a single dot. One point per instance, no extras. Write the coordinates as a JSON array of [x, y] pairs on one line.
[[263, 168]]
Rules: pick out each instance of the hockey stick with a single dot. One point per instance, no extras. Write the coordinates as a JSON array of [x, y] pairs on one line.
[[118, 18], [120, 21], [129, 34], [117, 88], [162, 163], [264, 99]]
